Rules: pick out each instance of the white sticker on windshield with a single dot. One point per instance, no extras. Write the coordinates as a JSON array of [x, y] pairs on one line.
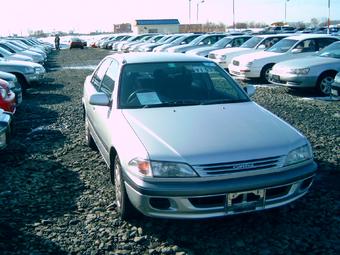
[[202, 69], [146, 98]]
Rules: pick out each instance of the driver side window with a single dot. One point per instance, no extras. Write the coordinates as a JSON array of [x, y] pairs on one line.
[[99, 74]]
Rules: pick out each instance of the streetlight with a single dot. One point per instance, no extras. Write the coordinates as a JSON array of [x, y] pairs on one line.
[[189, 11], [329, 16], [234, 26], [198, 2], [286, 11]]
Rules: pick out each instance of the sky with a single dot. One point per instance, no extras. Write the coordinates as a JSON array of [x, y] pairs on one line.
[[83, 16]]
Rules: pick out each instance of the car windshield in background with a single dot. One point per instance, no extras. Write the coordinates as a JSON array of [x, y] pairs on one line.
[[177, 84], [282, 46], [223, 42], [332, 51], [252, 42]]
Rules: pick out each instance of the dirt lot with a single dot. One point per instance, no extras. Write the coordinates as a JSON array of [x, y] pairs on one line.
[[56, 197]]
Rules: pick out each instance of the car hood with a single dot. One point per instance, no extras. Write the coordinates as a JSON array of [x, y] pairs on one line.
[[257, 55], [229, 50], [184, 48], [16, 63], [7, 76], [202, 49], [212, 133], [310, 61]]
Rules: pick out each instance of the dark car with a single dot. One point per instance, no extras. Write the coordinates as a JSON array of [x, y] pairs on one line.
[[76, 43], [5, 128]]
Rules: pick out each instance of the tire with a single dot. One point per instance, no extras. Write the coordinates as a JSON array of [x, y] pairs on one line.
[[324, 83], [125, 209], [265, 73], [88, 137], [22, 81]]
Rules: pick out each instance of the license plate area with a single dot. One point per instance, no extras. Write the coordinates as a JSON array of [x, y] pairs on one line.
[[245, 201]]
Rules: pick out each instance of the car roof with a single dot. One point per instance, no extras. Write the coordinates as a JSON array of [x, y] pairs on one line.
[[150, 57], [309, 36]]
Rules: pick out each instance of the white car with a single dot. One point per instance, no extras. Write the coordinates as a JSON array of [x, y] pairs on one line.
[[223, 57], [259, 64]]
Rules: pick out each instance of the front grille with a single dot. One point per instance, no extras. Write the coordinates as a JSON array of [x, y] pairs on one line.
[[236, 63], [239, 166]]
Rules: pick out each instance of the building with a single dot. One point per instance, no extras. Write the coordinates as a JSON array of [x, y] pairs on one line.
[[164, 26], [122, 28]]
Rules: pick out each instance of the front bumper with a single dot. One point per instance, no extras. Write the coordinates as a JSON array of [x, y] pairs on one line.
[[5, 121], [293, 80], [243, 72], [216, 198], [35, 77]]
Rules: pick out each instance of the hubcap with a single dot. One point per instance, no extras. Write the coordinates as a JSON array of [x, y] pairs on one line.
[[325, 85], [266, 74]]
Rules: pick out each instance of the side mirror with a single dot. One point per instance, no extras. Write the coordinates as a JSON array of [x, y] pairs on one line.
[[295, 51], [250, 90], [261, 47], [228, 46], [100, 99]]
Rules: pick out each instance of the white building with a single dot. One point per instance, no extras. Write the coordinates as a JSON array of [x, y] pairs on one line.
[[164, 26]]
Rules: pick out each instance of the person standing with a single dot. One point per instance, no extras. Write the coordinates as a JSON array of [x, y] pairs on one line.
[[57, 42]]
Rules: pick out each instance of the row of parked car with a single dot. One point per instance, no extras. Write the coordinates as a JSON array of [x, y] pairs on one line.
[[21, 64], [293, 60]]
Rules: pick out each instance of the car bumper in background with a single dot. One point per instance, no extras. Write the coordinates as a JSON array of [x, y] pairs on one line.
[[5, 121], [292, 80], [243, 72]]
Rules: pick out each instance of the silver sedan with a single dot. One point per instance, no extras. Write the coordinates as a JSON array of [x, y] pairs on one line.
[[317, 71], [182, 139]]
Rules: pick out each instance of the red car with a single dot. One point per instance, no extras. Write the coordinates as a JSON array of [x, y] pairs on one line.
[[7, 98], [76, 43]]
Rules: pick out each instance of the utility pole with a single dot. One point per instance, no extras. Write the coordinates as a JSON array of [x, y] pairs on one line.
[[198, 3], [234, 25], [329, 16], [190, 12], [286, 11]]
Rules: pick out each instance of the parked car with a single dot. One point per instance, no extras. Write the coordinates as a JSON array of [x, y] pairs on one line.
[[152, 39], [5, 129], [259, 64], [199, 42], [335, 87], [257, 43], [316, 71], [226, 42], [7, 98], [165, 40], [11, 47], [29, 48], [13, 56], [14, 85], [182, 40], [26, 72], [183, 140], [125, 47], [76, 43]]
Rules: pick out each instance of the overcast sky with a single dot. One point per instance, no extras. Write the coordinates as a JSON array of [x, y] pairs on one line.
[[19, 16]]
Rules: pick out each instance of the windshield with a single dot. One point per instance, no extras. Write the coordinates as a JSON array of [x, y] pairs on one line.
[[282, 46], [197, 40], [331, 51], [14, 47], [20, 44], [4, 52], [172, 84], [222, 42], [252, 42], [7, 48]]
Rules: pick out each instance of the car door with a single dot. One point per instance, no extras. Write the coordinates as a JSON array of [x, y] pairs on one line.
[[102, 116], [92, 86]]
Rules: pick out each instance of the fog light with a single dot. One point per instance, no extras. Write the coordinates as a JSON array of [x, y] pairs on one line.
[[160, 203]]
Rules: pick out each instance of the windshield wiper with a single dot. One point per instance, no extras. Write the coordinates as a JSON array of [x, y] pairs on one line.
[[224, 101], [173, 103]]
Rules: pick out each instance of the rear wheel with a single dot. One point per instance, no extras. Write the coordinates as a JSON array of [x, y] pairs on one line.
[[124, 206], [324, 83]]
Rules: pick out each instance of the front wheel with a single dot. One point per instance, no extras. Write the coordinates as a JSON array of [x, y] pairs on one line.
[[124, 206], [324, 83], [265, 73], [88, 137]]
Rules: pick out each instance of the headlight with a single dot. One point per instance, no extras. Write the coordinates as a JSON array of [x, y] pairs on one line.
[[161, 168], [299, 71], [298, 155], [171, 169], [28, 70]]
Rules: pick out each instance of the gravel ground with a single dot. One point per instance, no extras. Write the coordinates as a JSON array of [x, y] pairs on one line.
[[56, 197]]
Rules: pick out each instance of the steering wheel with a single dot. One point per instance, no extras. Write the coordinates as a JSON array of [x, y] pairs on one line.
[[132, 96]]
